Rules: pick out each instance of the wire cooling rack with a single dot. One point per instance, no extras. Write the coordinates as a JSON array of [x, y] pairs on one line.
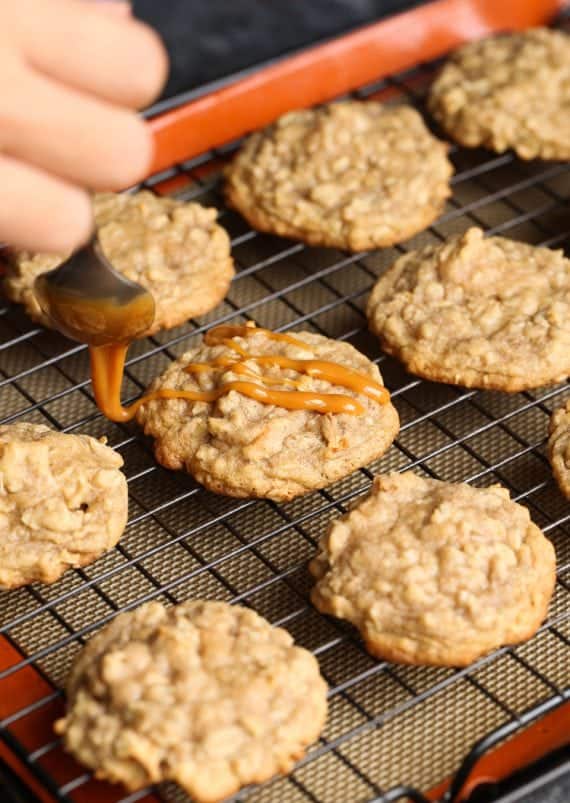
[[388, 725]]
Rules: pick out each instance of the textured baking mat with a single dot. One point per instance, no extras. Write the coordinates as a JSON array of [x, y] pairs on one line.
[[388, 724]]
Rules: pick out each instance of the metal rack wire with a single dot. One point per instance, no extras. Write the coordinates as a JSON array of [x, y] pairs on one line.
[[388, 725]]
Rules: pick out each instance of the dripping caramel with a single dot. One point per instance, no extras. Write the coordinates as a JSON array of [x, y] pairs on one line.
[[107, 366]]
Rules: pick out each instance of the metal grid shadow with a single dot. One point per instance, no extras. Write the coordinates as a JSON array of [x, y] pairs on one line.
[[388, 724]]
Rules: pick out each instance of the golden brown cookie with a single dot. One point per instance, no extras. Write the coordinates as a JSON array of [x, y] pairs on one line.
[[239, 446], [352, 175], [174, 249], [559, 447], [206, 694], [484, 313], [435, 573], [508, 91], [63, 502]]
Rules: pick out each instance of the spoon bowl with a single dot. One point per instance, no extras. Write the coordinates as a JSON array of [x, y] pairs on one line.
[[89, 301]]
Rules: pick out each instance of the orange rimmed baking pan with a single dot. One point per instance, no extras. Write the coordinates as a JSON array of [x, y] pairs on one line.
[[490, 731]]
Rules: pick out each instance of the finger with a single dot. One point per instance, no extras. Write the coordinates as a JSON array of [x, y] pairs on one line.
[[39, 212], [71, 135], [112, 56], [120, 7]]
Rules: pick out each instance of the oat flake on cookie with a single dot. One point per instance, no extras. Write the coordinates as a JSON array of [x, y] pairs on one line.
[[63, 502], [559, 447], [434, 572], [353, 175], [510, 91], [240, 447], [206, 694], [486, 313]]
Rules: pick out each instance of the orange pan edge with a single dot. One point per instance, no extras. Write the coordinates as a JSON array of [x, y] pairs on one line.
[[328, 70]]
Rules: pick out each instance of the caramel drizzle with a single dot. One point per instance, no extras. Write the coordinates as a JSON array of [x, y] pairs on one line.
[[220, 335], [107, 367]]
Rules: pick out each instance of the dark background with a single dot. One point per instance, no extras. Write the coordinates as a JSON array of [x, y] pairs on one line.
[[209, 39]]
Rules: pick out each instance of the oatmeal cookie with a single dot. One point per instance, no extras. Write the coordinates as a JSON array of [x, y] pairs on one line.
[[206, 694], [241, 447], [352, 175], [174, 249], [559, 447], [63, 502], [435, 573], [508, 92], [484, 313]]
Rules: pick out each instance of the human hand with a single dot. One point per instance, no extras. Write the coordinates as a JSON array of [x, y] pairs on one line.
[[71, 75]]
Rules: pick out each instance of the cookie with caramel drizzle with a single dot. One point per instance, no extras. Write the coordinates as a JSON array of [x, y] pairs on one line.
[[270, 415]]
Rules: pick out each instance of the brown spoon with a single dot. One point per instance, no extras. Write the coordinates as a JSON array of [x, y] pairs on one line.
[[88, 300]]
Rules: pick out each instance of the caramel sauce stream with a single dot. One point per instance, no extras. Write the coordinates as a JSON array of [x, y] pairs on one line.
[[108, 361]]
